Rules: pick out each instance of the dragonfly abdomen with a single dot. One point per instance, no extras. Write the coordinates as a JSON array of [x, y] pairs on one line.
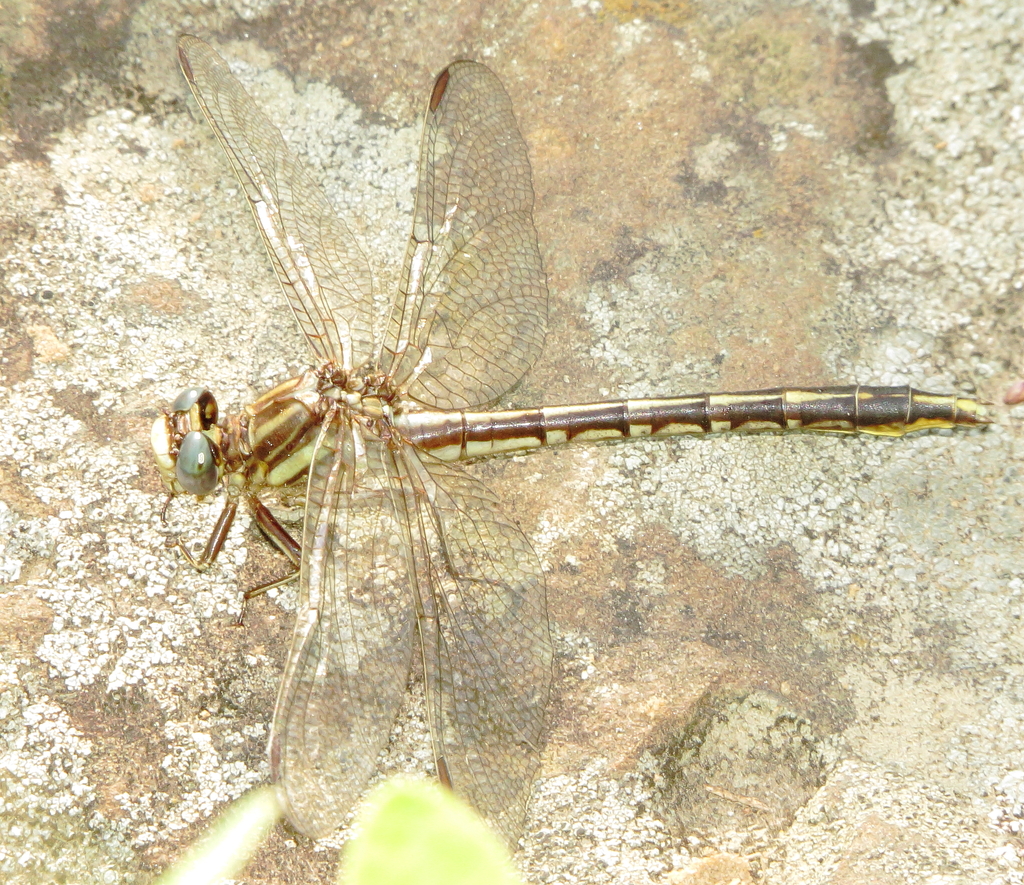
[[881, 411]]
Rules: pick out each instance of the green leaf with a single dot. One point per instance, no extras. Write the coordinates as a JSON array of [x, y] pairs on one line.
[[228, 843], [418, 833]]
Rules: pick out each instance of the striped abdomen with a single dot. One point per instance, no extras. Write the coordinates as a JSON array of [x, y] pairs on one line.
[[882, 411]]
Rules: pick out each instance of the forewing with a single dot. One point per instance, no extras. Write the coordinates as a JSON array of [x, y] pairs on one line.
[[323, 273], [471, 313], [485, 640], [349, 661]]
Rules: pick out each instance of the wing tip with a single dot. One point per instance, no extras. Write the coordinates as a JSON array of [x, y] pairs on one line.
[[186, 42]]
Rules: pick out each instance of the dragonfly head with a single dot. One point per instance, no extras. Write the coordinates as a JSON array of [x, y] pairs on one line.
[[186, 444]]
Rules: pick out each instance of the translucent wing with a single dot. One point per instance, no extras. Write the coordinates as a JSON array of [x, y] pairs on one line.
[[471, 313], [324, 274], [348, 665], [396, 542], [486, 644]]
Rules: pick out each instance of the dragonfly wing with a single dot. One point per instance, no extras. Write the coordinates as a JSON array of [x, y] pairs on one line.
[[324, 274], [485, 640], [348, 666], [471, 312]]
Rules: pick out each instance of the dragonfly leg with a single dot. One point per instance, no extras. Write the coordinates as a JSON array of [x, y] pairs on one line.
[[281, 538], [215, 541], [276, 533]]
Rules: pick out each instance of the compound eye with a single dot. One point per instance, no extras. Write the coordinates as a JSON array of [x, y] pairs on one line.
[[196, 467], [202, 400]]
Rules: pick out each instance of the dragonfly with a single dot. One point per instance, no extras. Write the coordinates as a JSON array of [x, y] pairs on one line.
[[408, 568]]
